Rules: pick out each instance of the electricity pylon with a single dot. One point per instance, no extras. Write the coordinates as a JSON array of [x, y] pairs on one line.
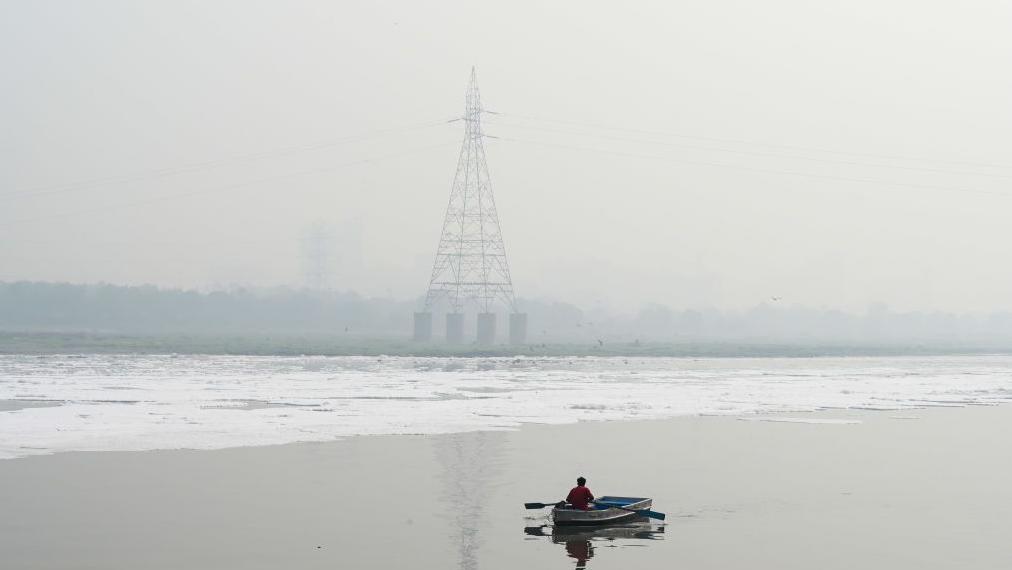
[[471, 265]]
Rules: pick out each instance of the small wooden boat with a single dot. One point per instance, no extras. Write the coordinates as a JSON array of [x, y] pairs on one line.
[[602, 512]]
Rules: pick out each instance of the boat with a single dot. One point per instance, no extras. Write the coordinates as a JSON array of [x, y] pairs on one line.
[[602, 512]]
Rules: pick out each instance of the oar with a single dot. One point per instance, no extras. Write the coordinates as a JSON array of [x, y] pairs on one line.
[[645, 512], [539, 505]]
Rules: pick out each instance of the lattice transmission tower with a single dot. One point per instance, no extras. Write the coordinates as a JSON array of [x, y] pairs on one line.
[[471, 268]]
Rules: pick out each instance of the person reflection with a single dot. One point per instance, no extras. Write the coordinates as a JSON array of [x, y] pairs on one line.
[[581, 550]]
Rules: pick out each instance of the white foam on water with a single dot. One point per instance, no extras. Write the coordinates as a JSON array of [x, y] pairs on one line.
[[827, 421], [113, 403]]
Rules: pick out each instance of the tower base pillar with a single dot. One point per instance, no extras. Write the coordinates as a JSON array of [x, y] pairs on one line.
[[518, 328], [423, 326], [486, 328], [455, 328]]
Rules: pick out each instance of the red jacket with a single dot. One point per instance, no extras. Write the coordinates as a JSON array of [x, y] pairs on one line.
[[580, 497]]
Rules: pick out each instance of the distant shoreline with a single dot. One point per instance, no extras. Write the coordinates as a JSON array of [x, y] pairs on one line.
[[287, 344]]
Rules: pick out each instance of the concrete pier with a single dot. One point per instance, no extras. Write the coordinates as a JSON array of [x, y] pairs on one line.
[[486, 328], [423, 327], [518, 328], [455, 328]]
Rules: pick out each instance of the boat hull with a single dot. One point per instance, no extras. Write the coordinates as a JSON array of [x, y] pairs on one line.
[[602, 515]]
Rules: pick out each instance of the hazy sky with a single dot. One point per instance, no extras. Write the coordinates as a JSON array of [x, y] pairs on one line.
[[714, 153]]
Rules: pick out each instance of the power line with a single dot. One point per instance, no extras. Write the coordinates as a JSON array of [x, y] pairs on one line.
[[206, 191], [207, 164], [748, 142], [762, 170], [748, 152]]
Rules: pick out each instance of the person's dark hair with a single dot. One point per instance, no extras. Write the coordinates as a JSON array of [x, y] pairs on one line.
[[580, 481]]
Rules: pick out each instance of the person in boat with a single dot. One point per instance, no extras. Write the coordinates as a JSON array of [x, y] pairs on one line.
[[580, 497]]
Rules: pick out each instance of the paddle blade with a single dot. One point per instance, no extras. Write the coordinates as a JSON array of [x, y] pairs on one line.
[[537, 505]]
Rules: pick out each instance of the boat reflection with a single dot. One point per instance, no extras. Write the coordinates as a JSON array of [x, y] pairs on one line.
[[579, 541]]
